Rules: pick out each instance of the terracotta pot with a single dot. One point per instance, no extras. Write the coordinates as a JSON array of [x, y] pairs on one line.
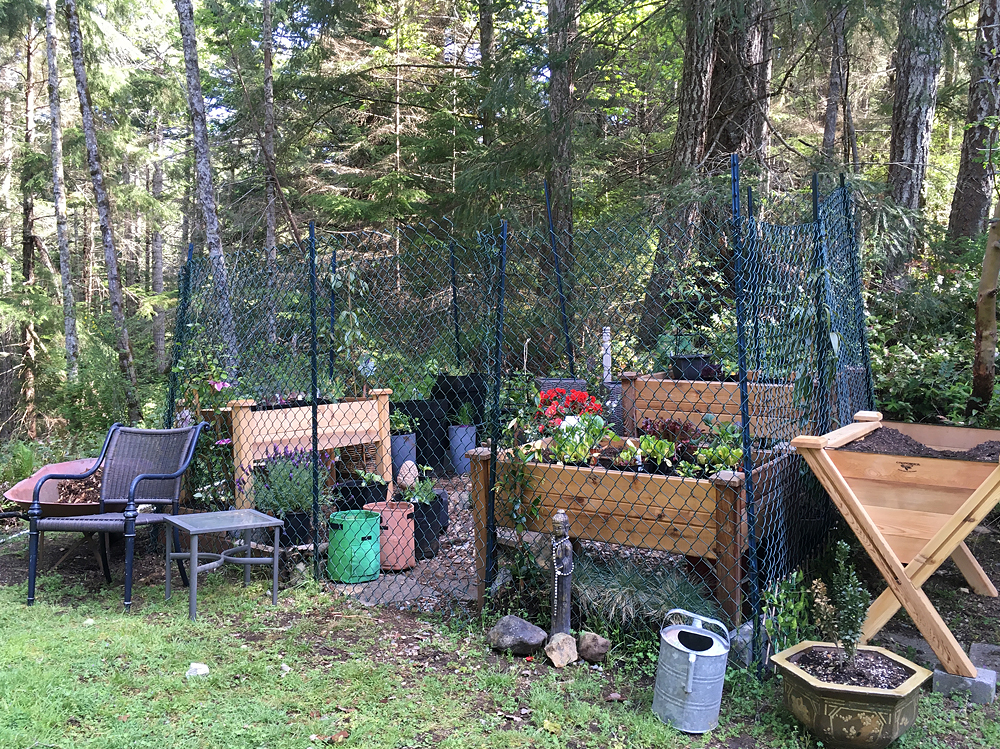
[[396, 537], [846, 716]]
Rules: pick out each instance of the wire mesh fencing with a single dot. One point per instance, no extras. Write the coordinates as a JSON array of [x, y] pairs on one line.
[[417, 404]]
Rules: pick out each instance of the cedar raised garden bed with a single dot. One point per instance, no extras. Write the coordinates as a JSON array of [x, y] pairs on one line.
[[910, 510], [256, 430], [656, 396], [704, 518]]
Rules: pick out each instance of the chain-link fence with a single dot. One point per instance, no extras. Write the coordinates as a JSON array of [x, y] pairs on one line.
[[417, 404]]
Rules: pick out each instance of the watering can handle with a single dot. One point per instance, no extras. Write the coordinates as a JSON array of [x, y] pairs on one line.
[[698, 619]]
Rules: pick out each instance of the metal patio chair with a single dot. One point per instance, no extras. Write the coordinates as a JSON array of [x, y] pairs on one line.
[[141, 466]]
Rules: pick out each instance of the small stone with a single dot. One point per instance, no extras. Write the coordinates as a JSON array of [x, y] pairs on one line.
[[408, 475], [197, 669], [592, 647], [285, 668], [964, 590], [516, 635], [561, 649], [88, 622], [613, 697]]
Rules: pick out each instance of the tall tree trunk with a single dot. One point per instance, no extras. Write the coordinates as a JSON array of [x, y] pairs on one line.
[[741, 80], [974, 187], [206, 189], [6, 181], [270, 208], [88, 260], [486, 52], [125, 360], [918, 62], [562, 29], [850, 136], [59, 194], [696, 83], [28, 242], [156, 248], [984, 363], [835, 90]]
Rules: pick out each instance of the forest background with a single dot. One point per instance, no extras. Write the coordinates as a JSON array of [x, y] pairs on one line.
[[131, 128]]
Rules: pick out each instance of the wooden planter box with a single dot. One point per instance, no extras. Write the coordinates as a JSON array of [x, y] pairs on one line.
[[656, 396], [353, 421], [703, 518], [910, 514]]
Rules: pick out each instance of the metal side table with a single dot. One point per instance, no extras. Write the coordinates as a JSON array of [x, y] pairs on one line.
[[230, 521]]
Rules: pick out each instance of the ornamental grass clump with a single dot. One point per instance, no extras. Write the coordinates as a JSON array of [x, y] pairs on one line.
[[840, 612]]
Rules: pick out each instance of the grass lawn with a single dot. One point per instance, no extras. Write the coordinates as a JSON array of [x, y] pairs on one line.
[[319, 670]]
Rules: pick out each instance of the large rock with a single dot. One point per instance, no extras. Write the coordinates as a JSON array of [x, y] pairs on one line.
[[592, 647], [516, 635], [561, 649]]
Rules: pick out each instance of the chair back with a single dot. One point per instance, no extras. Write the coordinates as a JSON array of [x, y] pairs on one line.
[[133, 452]]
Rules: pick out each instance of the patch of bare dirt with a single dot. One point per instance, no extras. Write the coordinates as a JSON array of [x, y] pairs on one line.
[[889, 441]]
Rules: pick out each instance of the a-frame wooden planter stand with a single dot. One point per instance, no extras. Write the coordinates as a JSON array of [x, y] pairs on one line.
[[910, 511]]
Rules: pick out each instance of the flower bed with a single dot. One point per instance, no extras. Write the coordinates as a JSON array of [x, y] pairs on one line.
[[256, 431], [702, 515]]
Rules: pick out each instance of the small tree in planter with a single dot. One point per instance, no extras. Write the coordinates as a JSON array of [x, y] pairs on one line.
[[403, 439], [461, 437], [841, 699], [426, 518]]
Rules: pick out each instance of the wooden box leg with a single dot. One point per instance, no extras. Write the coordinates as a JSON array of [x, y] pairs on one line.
[[480, 469], [729, 543]]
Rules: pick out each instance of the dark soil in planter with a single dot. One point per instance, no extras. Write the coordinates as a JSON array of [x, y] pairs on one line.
[[871, 670], [889, 441], [297, 403]]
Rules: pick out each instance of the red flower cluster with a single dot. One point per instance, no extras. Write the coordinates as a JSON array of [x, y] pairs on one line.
[[555, 405]]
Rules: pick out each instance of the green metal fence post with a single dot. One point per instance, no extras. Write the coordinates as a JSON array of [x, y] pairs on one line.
[[823, 330], [491, 526], [314, 386], [747, 439], [180, 325]]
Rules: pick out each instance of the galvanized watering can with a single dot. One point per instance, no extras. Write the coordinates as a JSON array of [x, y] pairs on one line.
[[689, 674]]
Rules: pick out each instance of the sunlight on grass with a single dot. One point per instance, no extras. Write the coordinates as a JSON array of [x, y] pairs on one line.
[[75, 672]]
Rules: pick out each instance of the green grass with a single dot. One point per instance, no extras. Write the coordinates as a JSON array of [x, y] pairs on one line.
[[75, 672]]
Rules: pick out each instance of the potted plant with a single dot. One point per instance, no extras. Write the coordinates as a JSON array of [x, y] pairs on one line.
[[403, 438], [283, 487], [848, 695], [365, 488], [686, 362], [461, 437], [426, 517]]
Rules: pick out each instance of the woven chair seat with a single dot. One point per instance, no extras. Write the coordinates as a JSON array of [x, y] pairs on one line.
[[108, 522]]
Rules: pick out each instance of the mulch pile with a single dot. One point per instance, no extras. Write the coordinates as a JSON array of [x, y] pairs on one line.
[[888, 441], [84, 490], [870, 669]]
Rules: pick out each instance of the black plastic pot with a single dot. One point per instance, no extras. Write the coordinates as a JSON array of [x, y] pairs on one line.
[[298, 528], [426, 526], [432, 432], [442, 504], [458, 389], [354, 496], [688, 366]]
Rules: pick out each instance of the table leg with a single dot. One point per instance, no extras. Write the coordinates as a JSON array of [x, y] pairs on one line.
[[247, 536], [193, 579], [169, 538], [275, 553]]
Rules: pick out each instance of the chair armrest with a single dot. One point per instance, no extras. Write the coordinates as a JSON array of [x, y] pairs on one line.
[[35, 510]]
